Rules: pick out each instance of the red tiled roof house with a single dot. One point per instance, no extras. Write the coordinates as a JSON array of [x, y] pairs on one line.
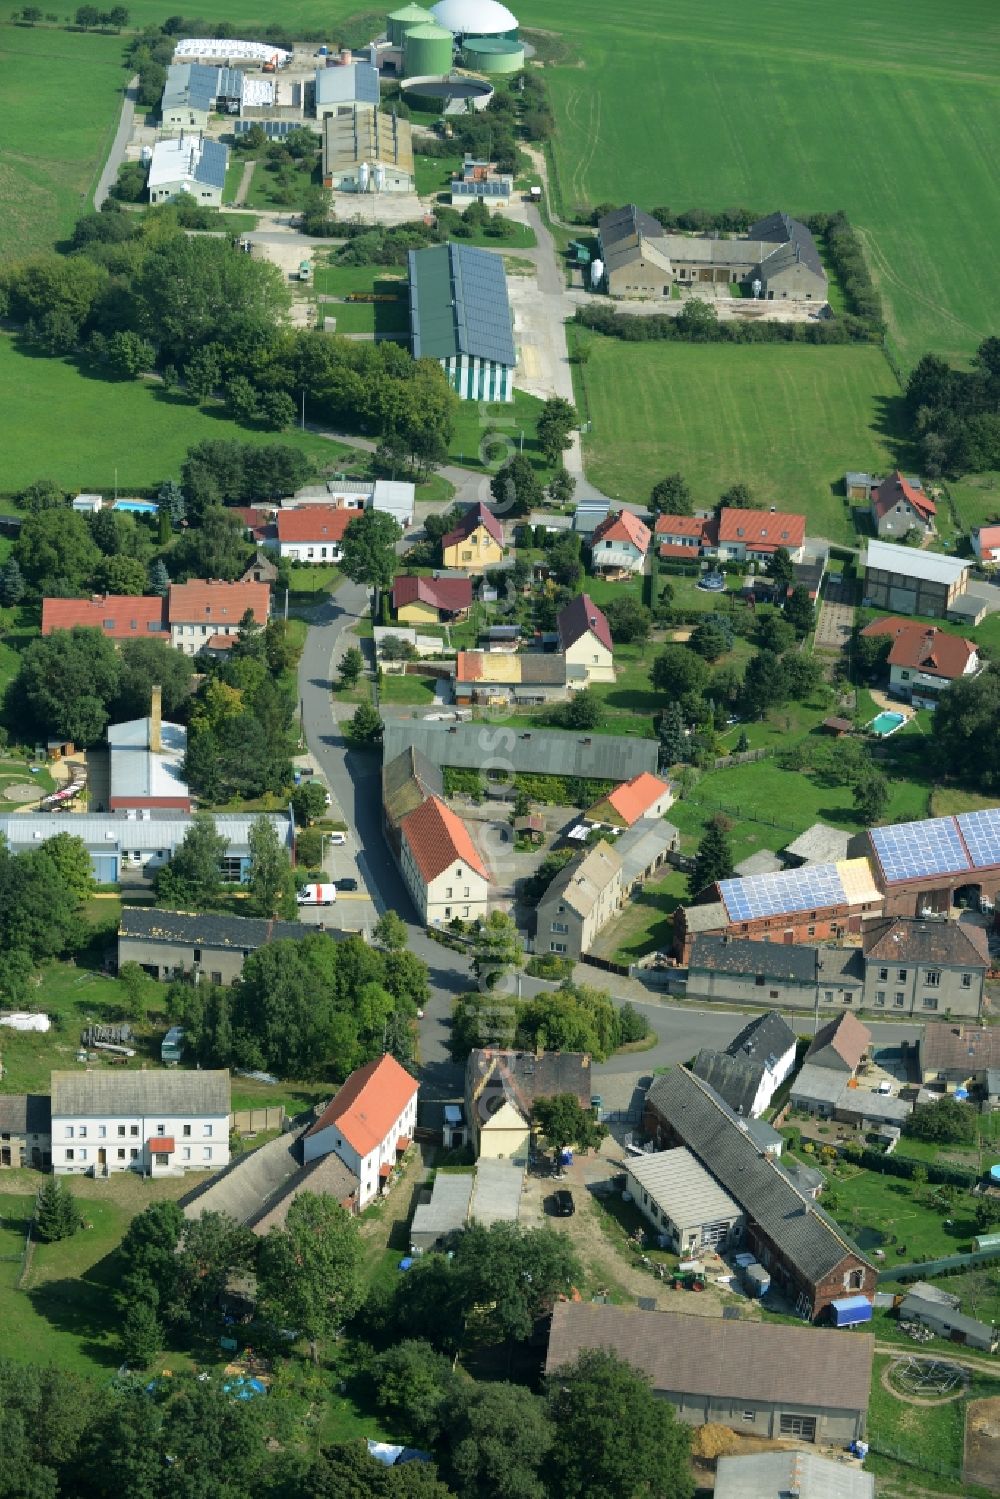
[[686, 537], [645, 795], [206, 616], [899, 506], [619, 545], [585, 639], [986, 543], [924, 661], [369, 1124], [119, 616], [475, 544], [757, 534], [444, 871], [313, 533], [429, 601]]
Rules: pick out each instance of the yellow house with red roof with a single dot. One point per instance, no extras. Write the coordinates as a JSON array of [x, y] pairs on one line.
[[475, 544]]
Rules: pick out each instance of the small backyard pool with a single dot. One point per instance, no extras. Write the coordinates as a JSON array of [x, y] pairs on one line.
[[887, 723]]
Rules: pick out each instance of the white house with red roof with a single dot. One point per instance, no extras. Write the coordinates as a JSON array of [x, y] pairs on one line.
[[923, 660], [585, 639], [685, 537], [368, 1125], [645, 795], [206, 616], [756, 535], [985, 544], [618, 546], [900, 506], [313, 533], [444, 871]]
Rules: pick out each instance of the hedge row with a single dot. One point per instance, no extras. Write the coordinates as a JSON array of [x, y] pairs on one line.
[[904, 1166]]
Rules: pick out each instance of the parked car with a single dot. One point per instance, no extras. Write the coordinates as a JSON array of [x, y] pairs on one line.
[[884, 1089], [563, 1205], [338, 839], [348, 883]]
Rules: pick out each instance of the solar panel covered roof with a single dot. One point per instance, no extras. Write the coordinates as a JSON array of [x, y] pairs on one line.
[[790, 890], [981, 834], [913, 850], [459, 305]]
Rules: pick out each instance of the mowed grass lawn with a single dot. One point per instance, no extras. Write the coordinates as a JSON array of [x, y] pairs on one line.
[[787, 419], [59, 423], [886, 108], [61, 105], [927, 1437]]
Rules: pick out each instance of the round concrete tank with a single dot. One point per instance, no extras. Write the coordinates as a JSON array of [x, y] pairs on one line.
[[402, 20], [493, 55], [438, 95], [427, 49]]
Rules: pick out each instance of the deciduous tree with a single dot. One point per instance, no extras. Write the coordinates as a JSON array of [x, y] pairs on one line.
[[309, 1272], [563, 1121]]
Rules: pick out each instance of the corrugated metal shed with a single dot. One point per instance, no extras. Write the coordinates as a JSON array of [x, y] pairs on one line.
[[459, 305], [682, 1187]]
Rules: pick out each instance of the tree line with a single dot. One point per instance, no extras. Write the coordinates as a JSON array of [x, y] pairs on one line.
[[955, 414]]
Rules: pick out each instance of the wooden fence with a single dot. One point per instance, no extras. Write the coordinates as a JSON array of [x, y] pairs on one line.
[[254, 1121]]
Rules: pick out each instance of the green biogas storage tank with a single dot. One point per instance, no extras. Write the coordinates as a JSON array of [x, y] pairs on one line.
[[493, 55], [427, 51], [403, 20]]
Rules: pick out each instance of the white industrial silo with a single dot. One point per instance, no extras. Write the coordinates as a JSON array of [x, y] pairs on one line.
[[596, 274], [378, 179], [364, 172]]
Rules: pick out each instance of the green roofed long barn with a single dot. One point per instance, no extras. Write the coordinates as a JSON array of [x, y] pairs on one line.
[[460, 315]]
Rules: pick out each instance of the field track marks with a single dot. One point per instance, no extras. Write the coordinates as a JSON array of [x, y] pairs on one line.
[[886, 273]]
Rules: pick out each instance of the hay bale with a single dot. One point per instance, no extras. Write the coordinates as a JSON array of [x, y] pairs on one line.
[[712, 1440]]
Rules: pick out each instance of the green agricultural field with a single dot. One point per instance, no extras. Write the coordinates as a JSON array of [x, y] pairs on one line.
[[886, 108], [93, 427], [787, 419], [53, 149]]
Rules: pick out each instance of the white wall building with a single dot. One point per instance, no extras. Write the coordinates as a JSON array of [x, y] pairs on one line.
[[443, 870], [156, 1123], [188, 165], [368, 1125]]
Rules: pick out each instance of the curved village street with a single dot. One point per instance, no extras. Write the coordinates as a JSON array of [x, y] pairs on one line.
[[354, 778]]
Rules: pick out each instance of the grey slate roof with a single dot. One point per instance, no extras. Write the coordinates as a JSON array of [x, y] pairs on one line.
[[819, 1084], [764, 1037], [530, 1076], [762, 862], [149, 924], [481, 746], [25, 1114], [819, 844], [932, 1312], [806, 1235], [87, 1094], [627, 224], [459, 304], [776, 1475], [735, 1079], [799, 1366], [408, 779], [743, 958], [780, 229], [250, 1180], [641, 845]]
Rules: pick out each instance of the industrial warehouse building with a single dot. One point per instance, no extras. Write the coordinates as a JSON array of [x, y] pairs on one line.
[[807, 1383], [341, 90], [906, 580], [130, 847], [188, 164], [367, 151], [193, 91], [460, 315]]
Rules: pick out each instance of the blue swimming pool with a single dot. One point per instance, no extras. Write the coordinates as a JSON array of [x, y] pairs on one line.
[[887, 723]]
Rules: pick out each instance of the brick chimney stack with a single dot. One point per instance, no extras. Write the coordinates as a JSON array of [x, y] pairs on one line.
[[156, 720]]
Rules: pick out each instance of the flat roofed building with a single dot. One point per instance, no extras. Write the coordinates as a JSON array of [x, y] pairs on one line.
[[340, 90], [759, 1378], [131, 846], [778, 1475], [169, 944], [146, 766], [158, 1123], [683, 1202], [496, 1196], [189, 165], [443, 1213], [496, 677], [460, 315], [479, 181], [367, 151], [907, 580]]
